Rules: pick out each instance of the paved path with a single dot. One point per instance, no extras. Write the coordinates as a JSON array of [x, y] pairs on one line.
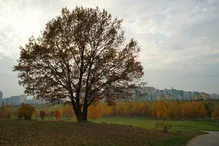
[[210, 139]]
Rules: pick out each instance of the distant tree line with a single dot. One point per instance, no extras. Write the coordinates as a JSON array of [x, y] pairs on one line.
[[160, 109]]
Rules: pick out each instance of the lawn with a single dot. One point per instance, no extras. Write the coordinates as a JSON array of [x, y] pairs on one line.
[[21, 132], [182, 125]]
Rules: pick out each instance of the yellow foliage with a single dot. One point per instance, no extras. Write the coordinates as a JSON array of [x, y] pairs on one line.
[[174, 110], [57, 113], [25, 111], [161, 109], [215, 113], [68, 111], [202, 112], [107, 110], [138, 108], [95, 111], [153, 110], [6, 111]]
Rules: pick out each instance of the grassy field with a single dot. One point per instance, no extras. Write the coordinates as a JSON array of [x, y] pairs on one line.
[[21, 132], [150, 123]]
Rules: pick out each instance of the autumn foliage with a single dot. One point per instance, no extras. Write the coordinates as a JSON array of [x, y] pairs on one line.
[[42, 114], [159, 109], [176, 110], [6, 111], [95, 111], [25, 111], [81, 51], [215, 113], [57, 113], [68, 112]]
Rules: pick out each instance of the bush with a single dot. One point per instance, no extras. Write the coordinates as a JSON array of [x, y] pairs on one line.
[[164, 127], [6, 111], [25, 111], [42, 114], [57, 113]]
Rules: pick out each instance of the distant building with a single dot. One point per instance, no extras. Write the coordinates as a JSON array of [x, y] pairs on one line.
[[149, 89], [17, 100], [14, 100]]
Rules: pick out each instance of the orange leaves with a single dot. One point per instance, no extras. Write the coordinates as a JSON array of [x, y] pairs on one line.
[[202, 112], [87, 57], [107, 110], [123, 108], [159, 109], [138, 109], [215, 113], [191, 110], [57, 113], [174, 110], [6, 111], [25, 111], [95, 111]]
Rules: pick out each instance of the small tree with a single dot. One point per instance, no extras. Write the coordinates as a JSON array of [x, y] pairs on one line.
[[57, 113], [25, 111], [161, 109], [215, 114], [42, 114], [6, 111], [202, 111]]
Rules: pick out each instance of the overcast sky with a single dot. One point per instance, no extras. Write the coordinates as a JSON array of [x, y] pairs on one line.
[[179, 39]]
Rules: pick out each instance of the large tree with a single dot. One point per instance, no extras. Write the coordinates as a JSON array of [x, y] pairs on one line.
[[81, 54]]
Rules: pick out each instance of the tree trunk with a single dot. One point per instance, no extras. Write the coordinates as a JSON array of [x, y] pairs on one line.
[[82, 117]]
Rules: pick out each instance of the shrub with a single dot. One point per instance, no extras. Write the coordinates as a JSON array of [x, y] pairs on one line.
[[57, 113], [42, 114], [164, 127], [25, 111], [6, 111]]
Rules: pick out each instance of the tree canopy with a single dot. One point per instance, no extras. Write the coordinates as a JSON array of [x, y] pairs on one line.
[[82, 54]]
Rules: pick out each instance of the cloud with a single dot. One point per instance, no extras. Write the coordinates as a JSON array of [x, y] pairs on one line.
[[175, 36], [8, 79]]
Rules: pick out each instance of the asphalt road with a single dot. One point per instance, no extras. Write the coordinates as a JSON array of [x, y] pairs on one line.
[[210, 139]]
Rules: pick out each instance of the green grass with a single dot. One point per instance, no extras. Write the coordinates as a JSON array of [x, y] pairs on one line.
[[150, 123], [20, 132]]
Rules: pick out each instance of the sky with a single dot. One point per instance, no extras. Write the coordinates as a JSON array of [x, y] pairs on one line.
[[178, 38]]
